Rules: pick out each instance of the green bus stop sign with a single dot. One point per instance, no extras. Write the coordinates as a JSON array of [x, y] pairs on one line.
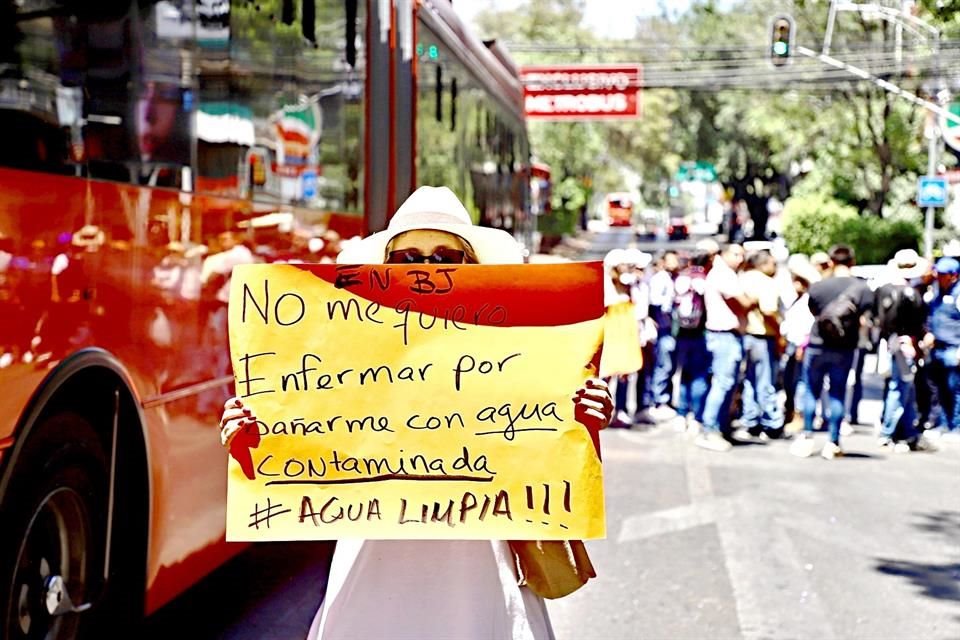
[[951, 129], [699, 171]]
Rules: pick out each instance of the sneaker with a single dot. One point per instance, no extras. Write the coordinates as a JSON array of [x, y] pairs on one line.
[[846, 428], [713, 441], [901, 447], [662, 413], [830, 451], [802, 446], [884, 442], [795, 425], [694, 428], [921, 443], [644, 417], [679, 423]]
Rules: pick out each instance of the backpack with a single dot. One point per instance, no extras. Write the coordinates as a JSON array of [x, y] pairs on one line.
[[900, 309], [839, 321], [689, 310]]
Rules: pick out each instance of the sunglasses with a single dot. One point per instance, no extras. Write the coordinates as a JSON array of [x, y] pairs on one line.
[[440, 255]]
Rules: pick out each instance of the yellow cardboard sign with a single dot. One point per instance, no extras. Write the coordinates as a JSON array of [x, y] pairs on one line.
[[622, 353], [414, 402]]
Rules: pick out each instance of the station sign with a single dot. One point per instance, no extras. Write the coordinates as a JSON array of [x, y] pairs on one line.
[[582, 92]]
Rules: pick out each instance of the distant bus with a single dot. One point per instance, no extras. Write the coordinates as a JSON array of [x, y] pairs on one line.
[[619, 209]]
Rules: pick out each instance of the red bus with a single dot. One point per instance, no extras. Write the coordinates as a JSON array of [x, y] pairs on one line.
[[619, 209], [149, 147]]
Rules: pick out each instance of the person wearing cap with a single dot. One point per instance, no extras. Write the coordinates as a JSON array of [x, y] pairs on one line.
[[647, 331], [821, 262], [438, 588], [691, 355], [727, 306], [623, 286], [944, 338], [901, 317]]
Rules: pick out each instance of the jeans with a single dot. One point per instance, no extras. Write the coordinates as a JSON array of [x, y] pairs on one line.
[[856, 390], [792, 380], [726, 351], [761, 406], [693, 360], [662, 385], [947, 374], [620, 393], [900, 405], [820, 364]]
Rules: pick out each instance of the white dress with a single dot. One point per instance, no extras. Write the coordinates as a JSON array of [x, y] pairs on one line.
[[427, 589]]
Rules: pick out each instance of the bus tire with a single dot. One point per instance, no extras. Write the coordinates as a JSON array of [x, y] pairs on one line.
[[54, 523]]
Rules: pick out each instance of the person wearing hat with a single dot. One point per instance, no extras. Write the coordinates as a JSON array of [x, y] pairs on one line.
[[438, 588], [795, 329], [625, 286], [901, 317], [944, 338]]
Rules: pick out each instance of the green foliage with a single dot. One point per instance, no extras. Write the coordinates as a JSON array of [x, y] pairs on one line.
[[815, 222], [567, 199], [810, 223]]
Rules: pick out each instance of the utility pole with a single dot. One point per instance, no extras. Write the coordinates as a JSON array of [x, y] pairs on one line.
[[931, 171], [901, 18]]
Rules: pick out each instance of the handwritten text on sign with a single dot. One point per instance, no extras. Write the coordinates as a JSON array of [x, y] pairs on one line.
[[414, 402]]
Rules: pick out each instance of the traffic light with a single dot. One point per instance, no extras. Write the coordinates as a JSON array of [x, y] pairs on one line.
[[781, 40]]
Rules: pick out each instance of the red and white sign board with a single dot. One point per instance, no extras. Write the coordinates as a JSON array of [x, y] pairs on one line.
[[582, 92]]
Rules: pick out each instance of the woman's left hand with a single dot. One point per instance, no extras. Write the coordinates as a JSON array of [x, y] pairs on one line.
[[592, 405]]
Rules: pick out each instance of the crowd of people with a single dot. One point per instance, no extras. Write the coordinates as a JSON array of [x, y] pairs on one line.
[[748, 341]]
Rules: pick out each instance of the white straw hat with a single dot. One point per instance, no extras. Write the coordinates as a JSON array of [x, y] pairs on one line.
[[435, 208], [908, 264]]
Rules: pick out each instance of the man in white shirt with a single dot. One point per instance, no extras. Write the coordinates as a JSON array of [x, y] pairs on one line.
[[727, 308]]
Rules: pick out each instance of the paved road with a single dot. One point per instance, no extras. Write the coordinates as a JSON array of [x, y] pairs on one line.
[[755, 543]]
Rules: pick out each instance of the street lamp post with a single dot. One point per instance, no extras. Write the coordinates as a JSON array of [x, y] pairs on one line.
[[931, 171]]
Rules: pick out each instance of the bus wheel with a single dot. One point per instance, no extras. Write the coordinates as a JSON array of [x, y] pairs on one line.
[[53, 539]]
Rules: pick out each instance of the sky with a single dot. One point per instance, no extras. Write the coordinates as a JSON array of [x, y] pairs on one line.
[[605, 17]]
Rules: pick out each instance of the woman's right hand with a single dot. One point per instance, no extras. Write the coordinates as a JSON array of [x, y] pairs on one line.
[[236, 417]]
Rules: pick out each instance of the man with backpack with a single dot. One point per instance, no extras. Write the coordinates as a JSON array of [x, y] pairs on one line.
[[837, 303], [901, 316]]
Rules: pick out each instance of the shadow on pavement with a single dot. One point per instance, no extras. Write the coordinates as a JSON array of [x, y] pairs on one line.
[[272, 589], [941, 581]]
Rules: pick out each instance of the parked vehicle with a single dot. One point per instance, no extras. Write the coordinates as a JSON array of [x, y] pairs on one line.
[[619, 209], [677, 229]]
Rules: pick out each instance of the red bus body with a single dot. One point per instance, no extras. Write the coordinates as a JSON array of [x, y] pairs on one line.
[[619, 210], [117, 239]]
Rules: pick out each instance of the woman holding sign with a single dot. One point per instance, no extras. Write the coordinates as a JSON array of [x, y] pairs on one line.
[[444, 588]]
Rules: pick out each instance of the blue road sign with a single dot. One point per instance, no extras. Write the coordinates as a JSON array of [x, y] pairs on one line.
[[932, 192], [309, 181]]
